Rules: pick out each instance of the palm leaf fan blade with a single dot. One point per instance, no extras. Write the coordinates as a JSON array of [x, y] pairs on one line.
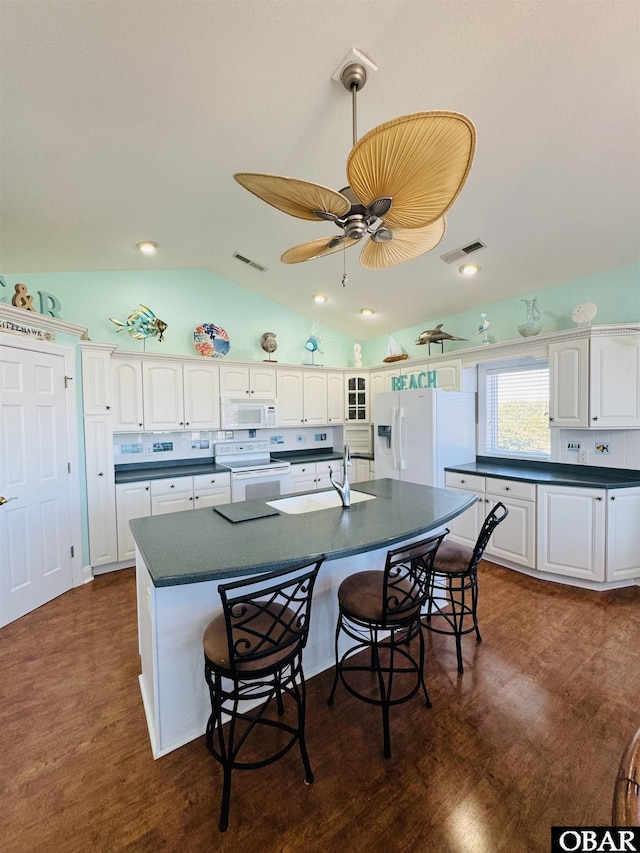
[[407, 244], [292, 196], [421, 160], [315, 249]]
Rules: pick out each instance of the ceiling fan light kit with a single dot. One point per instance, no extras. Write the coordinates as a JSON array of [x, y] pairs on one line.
[[403, 176]]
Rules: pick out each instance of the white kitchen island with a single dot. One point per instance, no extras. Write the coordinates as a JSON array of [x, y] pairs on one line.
[[182, 557]]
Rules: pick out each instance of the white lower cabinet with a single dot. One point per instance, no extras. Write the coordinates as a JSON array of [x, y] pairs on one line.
[[514, 540], [306, 476], [360, 470], [133, 500], [101, 501], [623, 524], [465, 528], [158, 497], [211, 490], [181, 493], [571, 531]]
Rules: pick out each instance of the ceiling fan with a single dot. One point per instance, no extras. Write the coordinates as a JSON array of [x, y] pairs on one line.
[[403, 175]]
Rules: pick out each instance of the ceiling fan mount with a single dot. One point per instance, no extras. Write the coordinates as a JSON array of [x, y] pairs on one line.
[[403, 176]]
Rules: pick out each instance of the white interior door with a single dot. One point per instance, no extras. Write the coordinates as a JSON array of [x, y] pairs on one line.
[[35, 523]]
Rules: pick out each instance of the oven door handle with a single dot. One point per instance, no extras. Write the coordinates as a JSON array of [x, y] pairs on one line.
[[275, 470]]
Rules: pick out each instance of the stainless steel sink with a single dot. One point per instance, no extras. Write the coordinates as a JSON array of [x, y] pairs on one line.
[[298, 504]]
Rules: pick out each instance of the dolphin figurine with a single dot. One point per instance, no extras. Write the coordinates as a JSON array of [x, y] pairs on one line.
[[142, 323], [436, 336]]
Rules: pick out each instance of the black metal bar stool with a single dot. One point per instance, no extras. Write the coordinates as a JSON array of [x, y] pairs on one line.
[[253, 657], [453, 584], [380, 612]]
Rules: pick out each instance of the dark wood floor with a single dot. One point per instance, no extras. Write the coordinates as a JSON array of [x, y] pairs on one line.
[[529, 737]]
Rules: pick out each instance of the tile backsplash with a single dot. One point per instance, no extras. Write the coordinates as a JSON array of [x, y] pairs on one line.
[[616, 448], [129, 448]]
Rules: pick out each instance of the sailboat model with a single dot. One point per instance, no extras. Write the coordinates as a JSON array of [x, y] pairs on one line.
[[393, 352]]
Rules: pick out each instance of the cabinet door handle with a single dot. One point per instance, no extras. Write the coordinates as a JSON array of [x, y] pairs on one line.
[[252, 391], [146, 488], [187, 423], [100, 473], [189, 498], [594, 418], [613, 497], [552, 419], [108, 408], [598, 498], [197, 497], [181, 423], [140, 424]]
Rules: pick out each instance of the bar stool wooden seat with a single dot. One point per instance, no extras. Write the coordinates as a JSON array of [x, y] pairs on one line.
[[626, 793], [253, 658], [380, 612], [452, 603]]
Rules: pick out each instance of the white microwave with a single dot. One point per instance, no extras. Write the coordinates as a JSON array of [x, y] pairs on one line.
[[248, 414]]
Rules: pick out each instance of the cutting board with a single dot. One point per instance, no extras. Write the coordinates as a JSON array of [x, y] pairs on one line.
[[242, 512]]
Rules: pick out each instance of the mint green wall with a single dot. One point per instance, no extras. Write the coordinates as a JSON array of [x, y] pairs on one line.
[[184, 299], [616, 294]]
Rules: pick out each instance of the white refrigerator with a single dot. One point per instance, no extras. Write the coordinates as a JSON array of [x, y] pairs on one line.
[[418, 432]]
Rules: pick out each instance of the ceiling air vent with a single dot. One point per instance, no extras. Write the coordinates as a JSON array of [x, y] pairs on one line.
[[249, 262], [463, 251]]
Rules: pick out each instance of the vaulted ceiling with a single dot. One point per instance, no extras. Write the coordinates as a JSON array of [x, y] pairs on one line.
[[124, 120]]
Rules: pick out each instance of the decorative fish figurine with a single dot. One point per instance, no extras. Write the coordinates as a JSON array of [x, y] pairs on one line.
[[142, 323], [436, 336]]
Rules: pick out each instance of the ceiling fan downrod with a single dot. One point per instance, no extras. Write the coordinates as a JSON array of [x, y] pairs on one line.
[[353, 79]]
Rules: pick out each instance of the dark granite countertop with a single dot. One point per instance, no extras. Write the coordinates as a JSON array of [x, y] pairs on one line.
[[296, 457], [160, 470], [201, 545], [550, 473]]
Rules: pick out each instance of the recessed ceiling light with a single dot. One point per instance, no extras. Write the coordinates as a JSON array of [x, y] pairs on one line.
[[319, 297], [469, 269], [367, 312], [147, 247]]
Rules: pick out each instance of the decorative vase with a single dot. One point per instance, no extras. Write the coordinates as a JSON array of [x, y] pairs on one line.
[[532, 324]]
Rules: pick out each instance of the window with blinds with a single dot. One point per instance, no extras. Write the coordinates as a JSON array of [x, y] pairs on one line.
[[516, 410]]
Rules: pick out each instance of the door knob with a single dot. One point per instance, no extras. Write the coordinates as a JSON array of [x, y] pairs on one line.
[[6, 500]]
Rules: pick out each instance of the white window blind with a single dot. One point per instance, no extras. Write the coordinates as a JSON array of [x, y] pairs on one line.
[[517, 411]]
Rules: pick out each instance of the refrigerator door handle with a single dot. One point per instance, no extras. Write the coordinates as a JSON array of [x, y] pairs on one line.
[[394, 438], [401, 430]]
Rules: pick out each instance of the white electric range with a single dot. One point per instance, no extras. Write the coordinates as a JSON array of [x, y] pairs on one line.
[[253, 473]]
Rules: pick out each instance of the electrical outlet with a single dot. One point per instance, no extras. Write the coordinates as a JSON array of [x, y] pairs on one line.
[[583, 457]]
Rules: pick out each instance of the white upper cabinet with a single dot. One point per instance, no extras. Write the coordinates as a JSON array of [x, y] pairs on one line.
[[614, 399], [335, 397], [379, 382], [163, 395], [201, 396], [96, 382], [595, 382], [244, 381], [314, 397], [127, 393], [569, 383], [356, 388], [449, 374], [302, 397]]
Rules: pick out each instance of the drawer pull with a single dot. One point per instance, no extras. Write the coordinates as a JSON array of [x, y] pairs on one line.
[[507, 488], [146, 488], [463, 481], [172, 486]]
